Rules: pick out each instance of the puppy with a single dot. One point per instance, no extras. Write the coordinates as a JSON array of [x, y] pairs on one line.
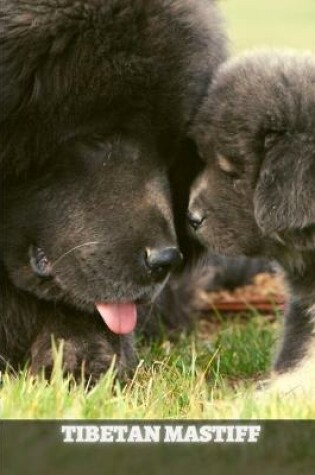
[[256, 132]]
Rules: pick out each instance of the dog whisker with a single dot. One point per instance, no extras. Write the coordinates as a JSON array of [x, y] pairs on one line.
[[155, 296], [159, 289], [91, 243]]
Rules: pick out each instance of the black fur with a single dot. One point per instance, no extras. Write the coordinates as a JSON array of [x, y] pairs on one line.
[[256, 131], [179, 306], [96, 99]]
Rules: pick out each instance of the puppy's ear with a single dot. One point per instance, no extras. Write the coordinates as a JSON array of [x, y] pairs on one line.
[[284, 198]]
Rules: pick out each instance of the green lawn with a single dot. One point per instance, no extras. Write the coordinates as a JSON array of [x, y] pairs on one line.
[[210, 374], [270, 23]]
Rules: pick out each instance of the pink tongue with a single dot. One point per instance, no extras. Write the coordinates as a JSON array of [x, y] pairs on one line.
[[120, 318]]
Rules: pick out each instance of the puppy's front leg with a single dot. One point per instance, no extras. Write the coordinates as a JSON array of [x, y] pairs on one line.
[[294, 368]]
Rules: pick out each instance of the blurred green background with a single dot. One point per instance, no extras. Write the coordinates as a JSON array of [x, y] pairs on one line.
[[271, 23]]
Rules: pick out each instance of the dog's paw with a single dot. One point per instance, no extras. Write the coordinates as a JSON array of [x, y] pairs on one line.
[[84, 356]]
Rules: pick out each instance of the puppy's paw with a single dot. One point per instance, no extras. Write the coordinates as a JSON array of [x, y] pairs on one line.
[[299, 382]]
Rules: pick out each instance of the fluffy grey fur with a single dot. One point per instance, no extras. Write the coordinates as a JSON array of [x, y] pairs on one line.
[[96, 99], [256, 132]]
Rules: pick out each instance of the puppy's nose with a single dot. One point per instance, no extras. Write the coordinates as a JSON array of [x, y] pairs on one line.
[[195, 218], [161, 261]]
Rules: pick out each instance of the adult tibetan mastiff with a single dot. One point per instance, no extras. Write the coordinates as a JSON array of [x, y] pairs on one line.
[[256, 131], [95, 161]]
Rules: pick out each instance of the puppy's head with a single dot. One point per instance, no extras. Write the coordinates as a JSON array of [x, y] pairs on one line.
[[256, 132]]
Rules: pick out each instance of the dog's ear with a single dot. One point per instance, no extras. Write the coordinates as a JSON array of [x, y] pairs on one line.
[[284, 198], [31, 41], [18, 50]]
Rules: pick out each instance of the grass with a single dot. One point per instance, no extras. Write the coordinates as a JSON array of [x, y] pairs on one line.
[[204, 375], [270, 23], [211, 374]]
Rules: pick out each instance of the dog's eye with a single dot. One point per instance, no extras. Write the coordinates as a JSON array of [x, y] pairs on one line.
[[40, 263]]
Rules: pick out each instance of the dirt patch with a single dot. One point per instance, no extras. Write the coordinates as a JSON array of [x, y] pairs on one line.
[[266, 293]]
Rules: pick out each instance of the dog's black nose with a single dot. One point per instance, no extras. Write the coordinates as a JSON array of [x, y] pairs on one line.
[[195, 219], [161, 261]]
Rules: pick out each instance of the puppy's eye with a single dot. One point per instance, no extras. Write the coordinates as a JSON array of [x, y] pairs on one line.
[[271, 138], [228, 166]]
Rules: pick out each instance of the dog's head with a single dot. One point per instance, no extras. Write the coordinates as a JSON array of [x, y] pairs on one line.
[[95, 224], [95, 100], [256, 132]]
